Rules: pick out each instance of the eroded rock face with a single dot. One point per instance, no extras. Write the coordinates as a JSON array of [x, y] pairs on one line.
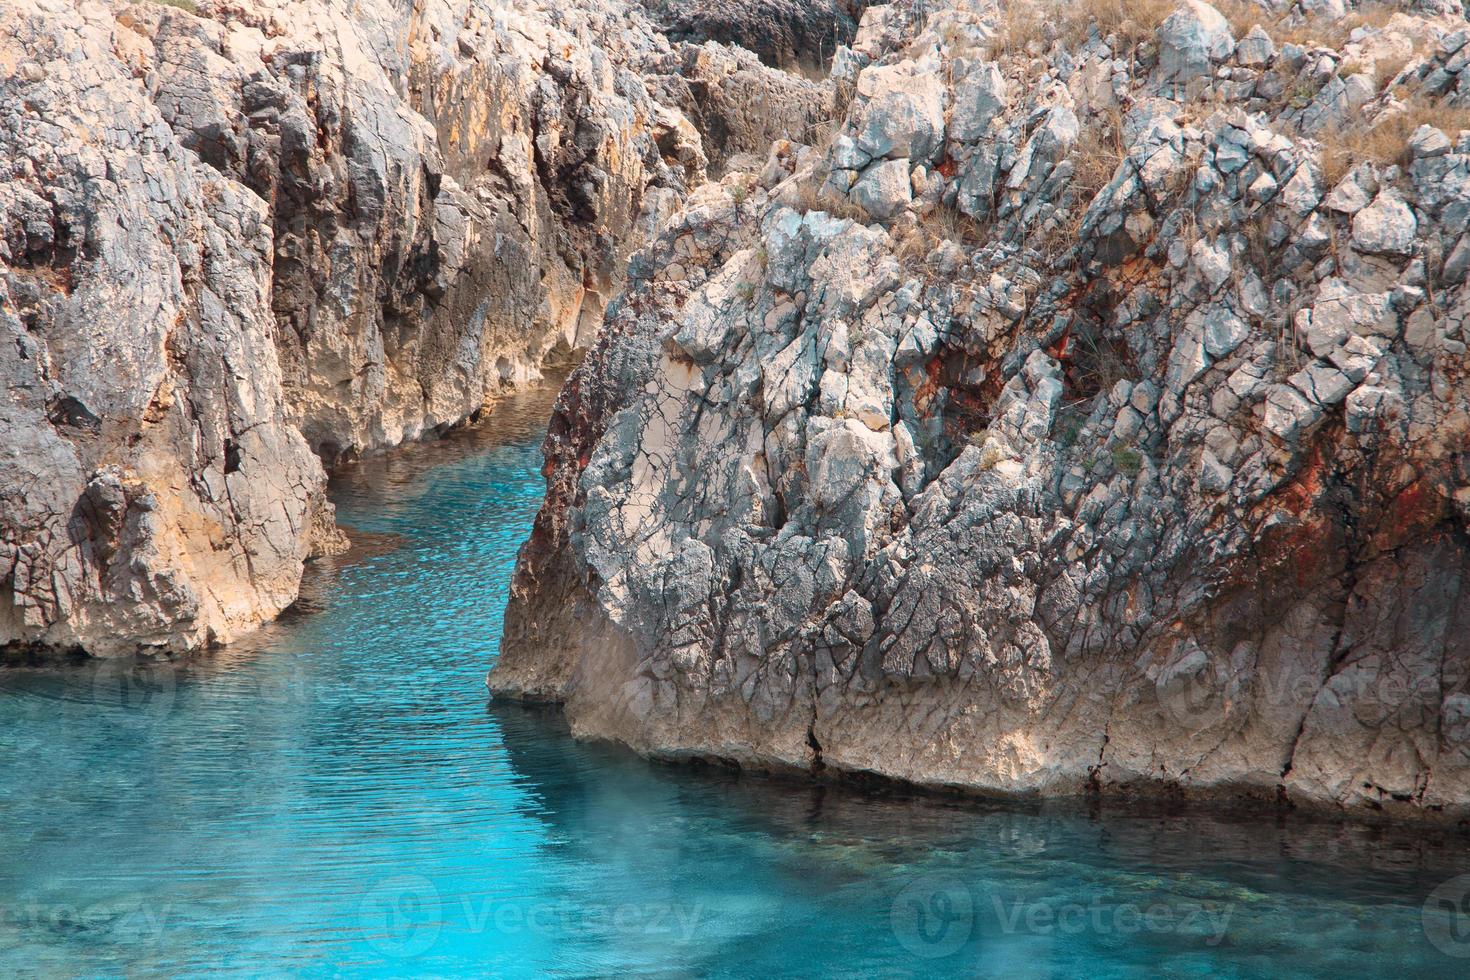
[[1125, 453], [794, 34], [155, 492], [453, 191], [238, 239]]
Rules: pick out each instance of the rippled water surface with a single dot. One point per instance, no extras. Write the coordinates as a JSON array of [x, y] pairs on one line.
[[336, 797]]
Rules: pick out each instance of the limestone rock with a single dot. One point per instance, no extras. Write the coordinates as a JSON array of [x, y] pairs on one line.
[[1428, 142], [792, 34], [1385, 227], [884, 189], [979, 96], [1224, 332], [900, 112], [240, 241], [1101, 464], [1191, 40], [1256, 48]]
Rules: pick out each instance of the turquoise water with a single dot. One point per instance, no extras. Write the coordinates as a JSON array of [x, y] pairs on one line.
[[336, 798]]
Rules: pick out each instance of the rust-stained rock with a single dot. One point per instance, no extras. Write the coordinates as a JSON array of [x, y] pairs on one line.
[[1123, 456]]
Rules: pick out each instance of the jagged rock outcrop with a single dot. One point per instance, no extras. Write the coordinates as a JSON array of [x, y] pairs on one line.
[[795, 34], [239, 236], [739, 106], [1090, 416], [453, 190]]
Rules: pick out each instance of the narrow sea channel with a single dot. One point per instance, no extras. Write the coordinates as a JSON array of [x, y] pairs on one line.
[[336, 797]]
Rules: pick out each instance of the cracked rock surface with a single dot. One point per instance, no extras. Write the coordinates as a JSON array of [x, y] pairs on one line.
[[1088, 415], [241, 240], [799, 34]]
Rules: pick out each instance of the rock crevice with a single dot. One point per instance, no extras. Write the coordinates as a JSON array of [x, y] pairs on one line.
[[1086, 415], [244, 239]]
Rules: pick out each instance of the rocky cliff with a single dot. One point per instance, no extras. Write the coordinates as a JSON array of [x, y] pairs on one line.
[[797, 34], [1087, 413], [241, 238]]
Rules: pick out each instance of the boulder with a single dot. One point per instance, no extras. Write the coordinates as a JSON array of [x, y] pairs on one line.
[[899, 112], [1191, 40], [978, 98], [1256, 49], [884, 189], [1385, 227]]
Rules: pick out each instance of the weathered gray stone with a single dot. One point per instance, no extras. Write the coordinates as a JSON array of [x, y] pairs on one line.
[[1230, 156], [999, 572], [978, 98], [792, 34], [1262, 189], [1256, 48], [1190, 40], [900, 112], [237, 240], [1223, 332], [1212, 261], [884, 189], [1352, 193], [1302, 193], [1289, 413], [1385, 227], [1428, 142]]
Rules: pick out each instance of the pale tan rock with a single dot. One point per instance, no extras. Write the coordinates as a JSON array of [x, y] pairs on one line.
[[236, 240]]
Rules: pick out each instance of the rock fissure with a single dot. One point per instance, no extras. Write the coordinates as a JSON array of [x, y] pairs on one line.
[[254, 238], [1097, 471]]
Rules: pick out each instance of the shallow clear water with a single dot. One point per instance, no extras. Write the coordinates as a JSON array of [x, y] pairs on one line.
[[336, 797]]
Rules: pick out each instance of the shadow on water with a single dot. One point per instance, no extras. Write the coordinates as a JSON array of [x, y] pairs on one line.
[[1229, 895], [536, 739]]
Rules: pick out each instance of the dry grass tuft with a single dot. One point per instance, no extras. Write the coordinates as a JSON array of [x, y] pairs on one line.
[[1095, 158], [1132, 21], [1135, 21], [1309, 32], [1096, 361], [1389, 69], [912, 248], [948, 223], [1096, 155], [944, 223], [1386, 141], [1338, 153], [820, 134], [1019, 25], [811, 199]]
